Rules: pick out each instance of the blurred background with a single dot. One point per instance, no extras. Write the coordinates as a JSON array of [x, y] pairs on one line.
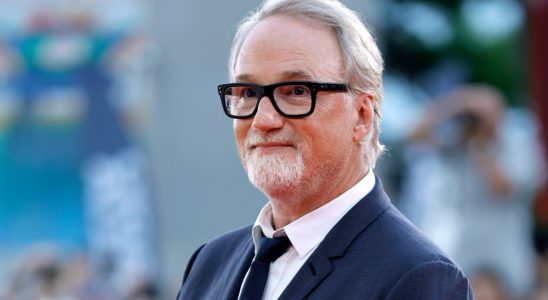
[[117, 162]]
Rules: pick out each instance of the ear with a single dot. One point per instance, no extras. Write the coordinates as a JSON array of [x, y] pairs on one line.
[[364, 105]]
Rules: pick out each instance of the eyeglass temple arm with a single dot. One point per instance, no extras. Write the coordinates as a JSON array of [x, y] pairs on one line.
[[332, 86]]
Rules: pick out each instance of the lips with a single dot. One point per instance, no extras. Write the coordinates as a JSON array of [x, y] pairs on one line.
[[271, 145], [269, 142], [270, 148]]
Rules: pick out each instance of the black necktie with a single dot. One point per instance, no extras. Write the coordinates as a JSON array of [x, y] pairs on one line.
[[269, 251]]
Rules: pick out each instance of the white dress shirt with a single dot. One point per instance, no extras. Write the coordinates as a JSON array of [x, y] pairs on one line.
[[305, 234]]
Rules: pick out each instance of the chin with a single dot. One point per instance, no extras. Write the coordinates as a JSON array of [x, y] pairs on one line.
[[278, 190], [275, 175], [274, 170], [270, 181]]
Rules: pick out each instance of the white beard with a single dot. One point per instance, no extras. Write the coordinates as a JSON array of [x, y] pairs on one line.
[[274, 172]]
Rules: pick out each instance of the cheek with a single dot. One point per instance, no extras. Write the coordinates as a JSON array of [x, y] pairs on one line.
[[334, 126], [329, 140], [316, 143], [322, 154], [240, 128]]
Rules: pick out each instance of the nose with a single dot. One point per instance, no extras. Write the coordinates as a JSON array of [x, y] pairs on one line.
[[267, 118]]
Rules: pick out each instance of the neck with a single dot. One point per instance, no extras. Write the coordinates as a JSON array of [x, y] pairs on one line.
[[295, 203]]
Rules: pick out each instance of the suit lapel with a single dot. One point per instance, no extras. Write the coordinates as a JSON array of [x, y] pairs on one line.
[[319, 266], [309, 276], [236, 270]]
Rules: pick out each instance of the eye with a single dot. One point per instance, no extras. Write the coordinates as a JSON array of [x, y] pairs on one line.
[[293, 91], [299, 91], [248, 93]]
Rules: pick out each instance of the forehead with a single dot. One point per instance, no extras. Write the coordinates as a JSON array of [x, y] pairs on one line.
[[284, 48]]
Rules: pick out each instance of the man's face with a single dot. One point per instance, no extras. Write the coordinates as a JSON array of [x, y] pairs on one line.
[[310, 156]]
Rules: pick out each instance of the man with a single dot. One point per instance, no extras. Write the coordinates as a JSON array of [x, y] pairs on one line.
[[305, 101]]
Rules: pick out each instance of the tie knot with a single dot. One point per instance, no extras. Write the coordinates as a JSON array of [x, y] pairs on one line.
[[272, 248]]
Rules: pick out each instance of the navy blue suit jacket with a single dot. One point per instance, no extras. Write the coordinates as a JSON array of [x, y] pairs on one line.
[[373, 252]]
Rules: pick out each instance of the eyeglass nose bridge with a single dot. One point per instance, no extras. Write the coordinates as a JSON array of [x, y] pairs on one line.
[[267, 91]]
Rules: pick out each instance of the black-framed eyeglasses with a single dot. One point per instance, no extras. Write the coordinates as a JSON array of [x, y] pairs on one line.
[[291, 99]]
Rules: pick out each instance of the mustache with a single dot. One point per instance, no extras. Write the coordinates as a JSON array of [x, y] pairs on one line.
[[253, 138]]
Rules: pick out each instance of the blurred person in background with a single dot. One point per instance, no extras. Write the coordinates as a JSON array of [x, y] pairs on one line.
[[487, 286], [45, 273], [540, 237], [40, 275], [481, 169], [305, 99], [74, 90]]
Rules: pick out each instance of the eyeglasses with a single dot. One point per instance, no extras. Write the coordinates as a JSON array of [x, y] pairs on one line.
[[291, 99]]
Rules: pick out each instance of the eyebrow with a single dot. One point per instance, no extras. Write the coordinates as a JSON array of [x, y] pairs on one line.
[[297, 74], [285, 75], [244, 78]]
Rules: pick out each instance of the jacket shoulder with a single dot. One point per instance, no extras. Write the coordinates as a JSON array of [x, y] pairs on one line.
[[224, 246], [392, 259], [216, 267], [432, 280], [419, 269], [235, 236], [408, 241]]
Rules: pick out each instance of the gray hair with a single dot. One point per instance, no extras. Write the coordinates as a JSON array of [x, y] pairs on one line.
[[362, 58]]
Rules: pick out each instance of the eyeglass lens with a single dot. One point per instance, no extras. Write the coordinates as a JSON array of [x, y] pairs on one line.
[[291, 99]]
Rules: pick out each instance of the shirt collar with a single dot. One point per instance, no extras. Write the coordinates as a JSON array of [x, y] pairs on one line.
[[309, 230]]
